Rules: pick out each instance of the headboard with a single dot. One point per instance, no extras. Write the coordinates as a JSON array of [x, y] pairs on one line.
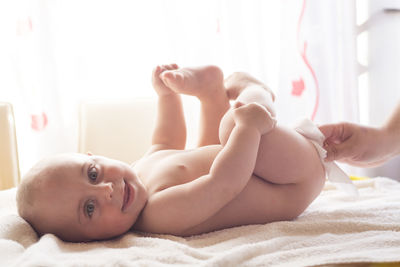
[[117, 129], [9, 168]]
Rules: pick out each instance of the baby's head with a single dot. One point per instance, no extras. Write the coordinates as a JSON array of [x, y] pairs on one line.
[[81, 197]]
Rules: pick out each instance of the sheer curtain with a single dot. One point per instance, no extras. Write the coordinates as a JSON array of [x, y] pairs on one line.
[[59, 53], [318, 78], [55, 54], [319, 67]]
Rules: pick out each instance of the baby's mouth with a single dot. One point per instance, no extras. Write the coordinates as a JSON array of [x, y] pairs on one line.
[[126, 196]]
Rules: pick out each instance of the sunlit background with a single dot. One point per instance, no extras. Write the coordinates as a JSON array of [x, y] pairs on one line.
[[333, 60]]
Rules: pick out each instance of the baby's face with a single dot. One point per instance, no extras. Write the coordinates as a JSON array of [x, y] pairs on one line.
[[89, 198]]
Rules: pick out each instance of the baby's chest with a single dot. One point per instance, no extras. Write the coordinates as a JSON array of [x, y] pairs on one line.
[[168, 170], [167, 175]]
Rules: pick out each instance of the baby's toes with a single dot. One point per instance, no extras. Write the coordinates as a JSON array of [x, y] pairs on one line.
[[173, 79], [170, 66], [174, 66]]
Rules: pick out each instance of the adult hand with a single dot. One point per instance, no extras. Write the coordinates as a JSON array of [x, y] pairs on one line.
[[357, 145]]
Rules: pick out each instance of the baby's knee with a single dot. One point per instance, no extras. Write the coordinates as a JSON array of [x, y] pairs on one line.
[[256, 93]]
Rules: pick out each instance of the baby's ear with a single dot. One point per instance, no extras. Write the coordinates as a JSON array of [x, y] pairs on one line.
[[89, 153]]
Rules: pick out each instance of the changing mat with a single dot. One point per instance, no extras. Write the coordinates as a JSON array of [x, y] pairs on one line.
[[336, 228]]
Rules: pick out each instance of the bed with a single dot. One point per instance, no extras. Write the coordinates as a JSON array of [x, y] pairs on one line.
[[9, 167], [335, 229]]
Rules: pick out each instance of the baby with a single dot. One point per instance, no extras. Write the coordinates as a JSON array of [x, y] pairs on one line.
[[246, 169]]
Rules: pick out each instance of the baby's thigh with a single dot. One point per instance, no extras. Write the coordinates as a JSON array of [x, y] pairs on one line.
[[286, 157], [263, 202]]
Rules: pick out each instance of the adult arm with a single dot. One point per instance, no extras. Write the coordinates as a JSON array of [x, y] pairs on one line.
[[361, 145]]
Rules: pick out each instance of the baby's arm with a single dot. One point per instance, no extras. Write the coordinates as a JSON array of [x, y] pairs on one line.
[[170, 129], [177, 209]]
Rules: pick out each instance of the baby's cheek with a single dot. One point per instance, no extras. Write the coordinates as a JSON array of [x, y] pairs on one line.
[[121, 220], [112, 226]]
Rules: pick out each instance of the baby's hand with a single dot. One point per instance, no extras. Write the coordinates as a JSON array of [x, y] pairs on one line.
[[158, 84], [254, 115]]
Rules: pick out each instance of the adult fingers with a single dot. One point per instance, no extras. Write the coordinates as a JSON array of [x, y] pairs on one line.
[[339, 151], [327, 129]]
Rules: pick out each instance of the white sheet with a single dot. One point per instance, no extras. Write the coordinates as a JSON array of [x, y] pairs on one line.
[[336, 228]]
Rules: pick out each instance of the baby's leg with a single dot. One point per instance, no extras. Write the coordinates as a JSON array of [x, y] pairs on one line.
[[206, 83], [237, 82], [249, 92], [244, 88], [284, 156]]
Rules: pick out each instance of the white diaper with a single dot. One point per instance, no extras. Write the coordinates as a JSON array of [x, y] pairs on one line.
[[333, 172]]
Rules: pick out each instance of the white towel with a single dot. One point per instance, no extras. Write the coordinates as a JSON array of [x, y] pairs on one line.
[[331, 230]]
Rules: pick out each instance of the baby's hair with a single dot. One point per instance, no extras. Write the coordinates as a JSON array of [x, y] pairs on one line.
[[25, 196], [28, 191]]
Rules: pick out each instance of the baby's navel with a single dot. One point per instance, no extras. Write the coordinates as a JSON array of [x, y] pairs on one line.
[[182, 167]]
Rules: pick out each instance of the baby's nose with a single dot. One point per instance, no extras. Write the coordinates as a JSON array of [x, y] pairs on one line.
[[107, 189]]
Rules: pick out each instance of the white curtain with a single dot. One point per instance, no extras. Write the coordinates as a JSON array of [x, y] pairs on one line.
[[318, 77], [55, 54]]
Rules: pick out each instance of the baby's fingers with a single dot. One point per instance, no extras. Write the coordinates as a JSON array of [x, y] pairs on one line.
[[237, 104]]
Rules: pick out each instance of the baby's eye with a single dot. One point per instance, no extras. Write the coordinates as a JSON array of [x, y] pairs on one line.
[[92, 174], [89, 209]]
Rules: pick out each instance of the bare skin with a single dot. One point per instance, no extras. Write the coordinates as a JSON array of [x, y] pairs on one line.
[[246, 170], [274, 176], [361, 145]]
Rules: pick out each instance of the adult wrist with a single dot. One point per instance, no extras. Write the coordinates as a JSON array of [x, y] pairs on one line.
[[392, 139]]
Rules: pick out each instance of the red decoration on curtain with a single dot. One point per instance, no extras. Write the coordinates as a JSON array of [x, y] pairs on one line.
[[39, 121], [302, 51], [218, 26], [24, 26], [298, 87]]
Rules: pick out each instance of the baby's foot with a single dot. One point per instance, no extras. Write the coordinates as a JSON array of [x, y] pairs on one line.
[[238, 81], [202, 82], [158, 84]]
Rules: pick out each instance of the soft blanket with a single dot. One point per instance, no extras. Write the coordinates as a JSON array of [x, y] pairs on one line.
[[336, 228]]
